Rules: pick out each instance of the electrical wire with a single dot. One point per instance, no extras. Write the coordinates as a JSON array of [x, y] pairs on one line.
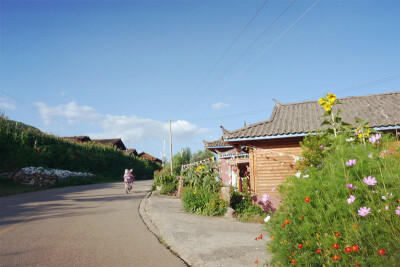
[[268, 47], [222, 56], [248, 48], [346, 89]]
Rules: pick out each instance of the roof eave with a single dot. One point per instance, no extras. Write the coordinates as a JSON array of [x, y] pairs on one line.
[[267, 137]]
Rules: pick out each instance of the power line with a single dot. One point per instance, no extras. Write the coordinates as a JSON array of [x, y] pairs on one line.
[[251, 46], [360, 85], [223, 54], [269, 46], [346, 89]]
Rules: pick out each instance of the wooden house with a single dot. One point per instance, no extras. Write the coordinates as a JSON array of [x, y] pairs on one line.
[[274, 144], [149, 157], [117, 142]]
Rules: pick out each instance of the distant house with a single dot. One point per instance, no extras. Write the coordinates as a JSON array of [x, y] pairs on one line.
[[149, 157], [231, 163], [131, 152], [273, 145], [77, 139], [105, 142], [110, 142]]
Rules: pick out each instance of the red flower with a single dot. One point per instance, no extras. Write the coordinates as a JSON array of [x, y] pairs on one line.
[[287, 221], [398, 201], [283, 226], [307, 199], [357, 265], [262, 222], [255, 238], [348, 249], [302, 217], [300, 246], [318, 251], [355, 248], [335, 258], [337, 234], [256, 261], [335, 246], [293, 261], [260, 237], [381, 252]]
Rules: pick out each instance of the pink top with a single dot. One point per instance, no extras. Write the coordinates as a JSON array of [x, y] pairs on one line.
[[128, 176]]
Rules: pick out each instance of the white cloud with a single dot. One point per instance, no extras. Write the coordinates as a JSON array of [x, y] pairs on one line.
[[219, 105], [130, 128], [6, 104], [72, 112]]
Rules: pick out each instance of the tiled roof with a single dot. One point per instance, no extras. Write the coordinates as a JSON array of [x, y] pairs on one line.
[[300, 118], [217, 143]]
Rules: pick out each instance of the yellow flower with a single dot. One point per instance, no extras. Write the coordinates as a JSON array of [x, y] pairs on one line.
[[360, 135], [327, 106], [331, 98], [194, 192], [199, 168], [317, 235], [321, 101]]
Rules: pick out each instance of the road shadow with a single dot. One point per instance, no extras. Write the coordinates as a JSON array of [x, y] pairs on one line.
[[66, 202]]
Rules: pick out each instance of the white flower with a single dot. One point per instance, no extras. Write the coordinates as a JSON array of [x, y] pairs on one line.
[[267, 218], [298, 174], [370, 156], [350, 140]]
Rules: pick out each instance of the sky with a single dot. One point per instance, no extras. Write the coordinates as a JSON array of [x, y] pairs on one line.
[[123, 69]]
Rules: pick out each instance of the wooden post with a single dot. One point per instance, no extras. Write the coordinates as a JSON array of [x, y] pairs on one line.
[[170, 145]]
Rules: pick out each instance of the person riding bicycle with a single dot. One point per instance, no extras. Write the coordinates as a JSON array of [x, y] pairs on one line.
[[128, 180]]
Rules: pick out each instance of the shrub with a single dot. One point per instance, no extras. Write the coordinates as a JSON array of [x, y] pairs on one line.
[[346, 212], [202, 201], [240, 201], [201, 194]]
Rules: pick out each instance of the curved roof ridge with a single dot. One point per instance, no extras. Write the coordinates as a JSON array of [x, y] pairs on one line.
[[343, 98]]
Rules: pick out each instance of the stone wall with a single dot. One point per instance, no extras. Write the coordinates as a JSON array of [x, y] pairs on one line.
[[41, 176]]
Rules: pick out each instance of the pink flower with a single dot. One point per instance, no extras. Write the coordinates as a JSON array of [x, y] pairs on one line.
[[398, 211], [265, 198], [386, 207], [364, 211], [351, 186], [375, 138], [351, 199], [351, 162], [370, 180]]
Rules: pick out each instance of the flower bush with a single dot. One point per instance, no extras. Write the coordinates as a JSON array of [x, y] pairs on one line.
[[164, 179], [201, 192], [347, 211]]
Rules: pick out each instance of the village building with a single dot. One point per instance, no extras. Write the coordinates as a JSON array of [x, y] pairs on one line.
[[149, 157], [273, 145]]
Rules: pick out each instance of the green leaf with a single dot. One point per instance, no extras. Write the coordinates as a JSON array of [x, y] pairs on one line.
[[326, 122]]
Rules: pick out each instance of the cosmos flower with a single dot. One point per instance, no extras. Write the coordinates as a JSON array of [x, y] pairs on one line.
[[351, 186], [351, 162], [351, 199], [370, 180], [364, 211]]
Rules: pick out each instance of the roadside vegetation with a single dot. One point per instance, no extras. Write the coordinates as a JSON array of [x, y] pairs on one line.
[[343, 207], [22, 146]]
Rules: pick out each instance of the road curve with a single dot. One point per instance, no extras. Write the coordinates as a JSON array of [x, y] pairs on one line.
[[91, 225]]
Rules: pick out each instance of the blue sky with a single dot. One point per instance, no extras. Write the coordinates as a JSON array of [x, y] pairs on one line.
[[112, 69]]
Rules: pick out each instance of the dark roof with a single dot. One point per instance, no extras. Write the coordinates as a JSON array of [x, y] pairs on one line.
[[79, 139], [110, 142], [131, 151], [148, 157], [301, 118], [216, 144]]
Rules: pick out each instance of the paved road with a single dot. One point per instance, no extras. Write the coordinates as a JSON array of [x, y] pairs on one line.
[[93, 225]]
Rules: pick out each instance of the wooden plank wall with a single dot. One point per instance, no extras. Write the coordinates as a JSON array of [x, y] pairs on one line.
[[269, 170]]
